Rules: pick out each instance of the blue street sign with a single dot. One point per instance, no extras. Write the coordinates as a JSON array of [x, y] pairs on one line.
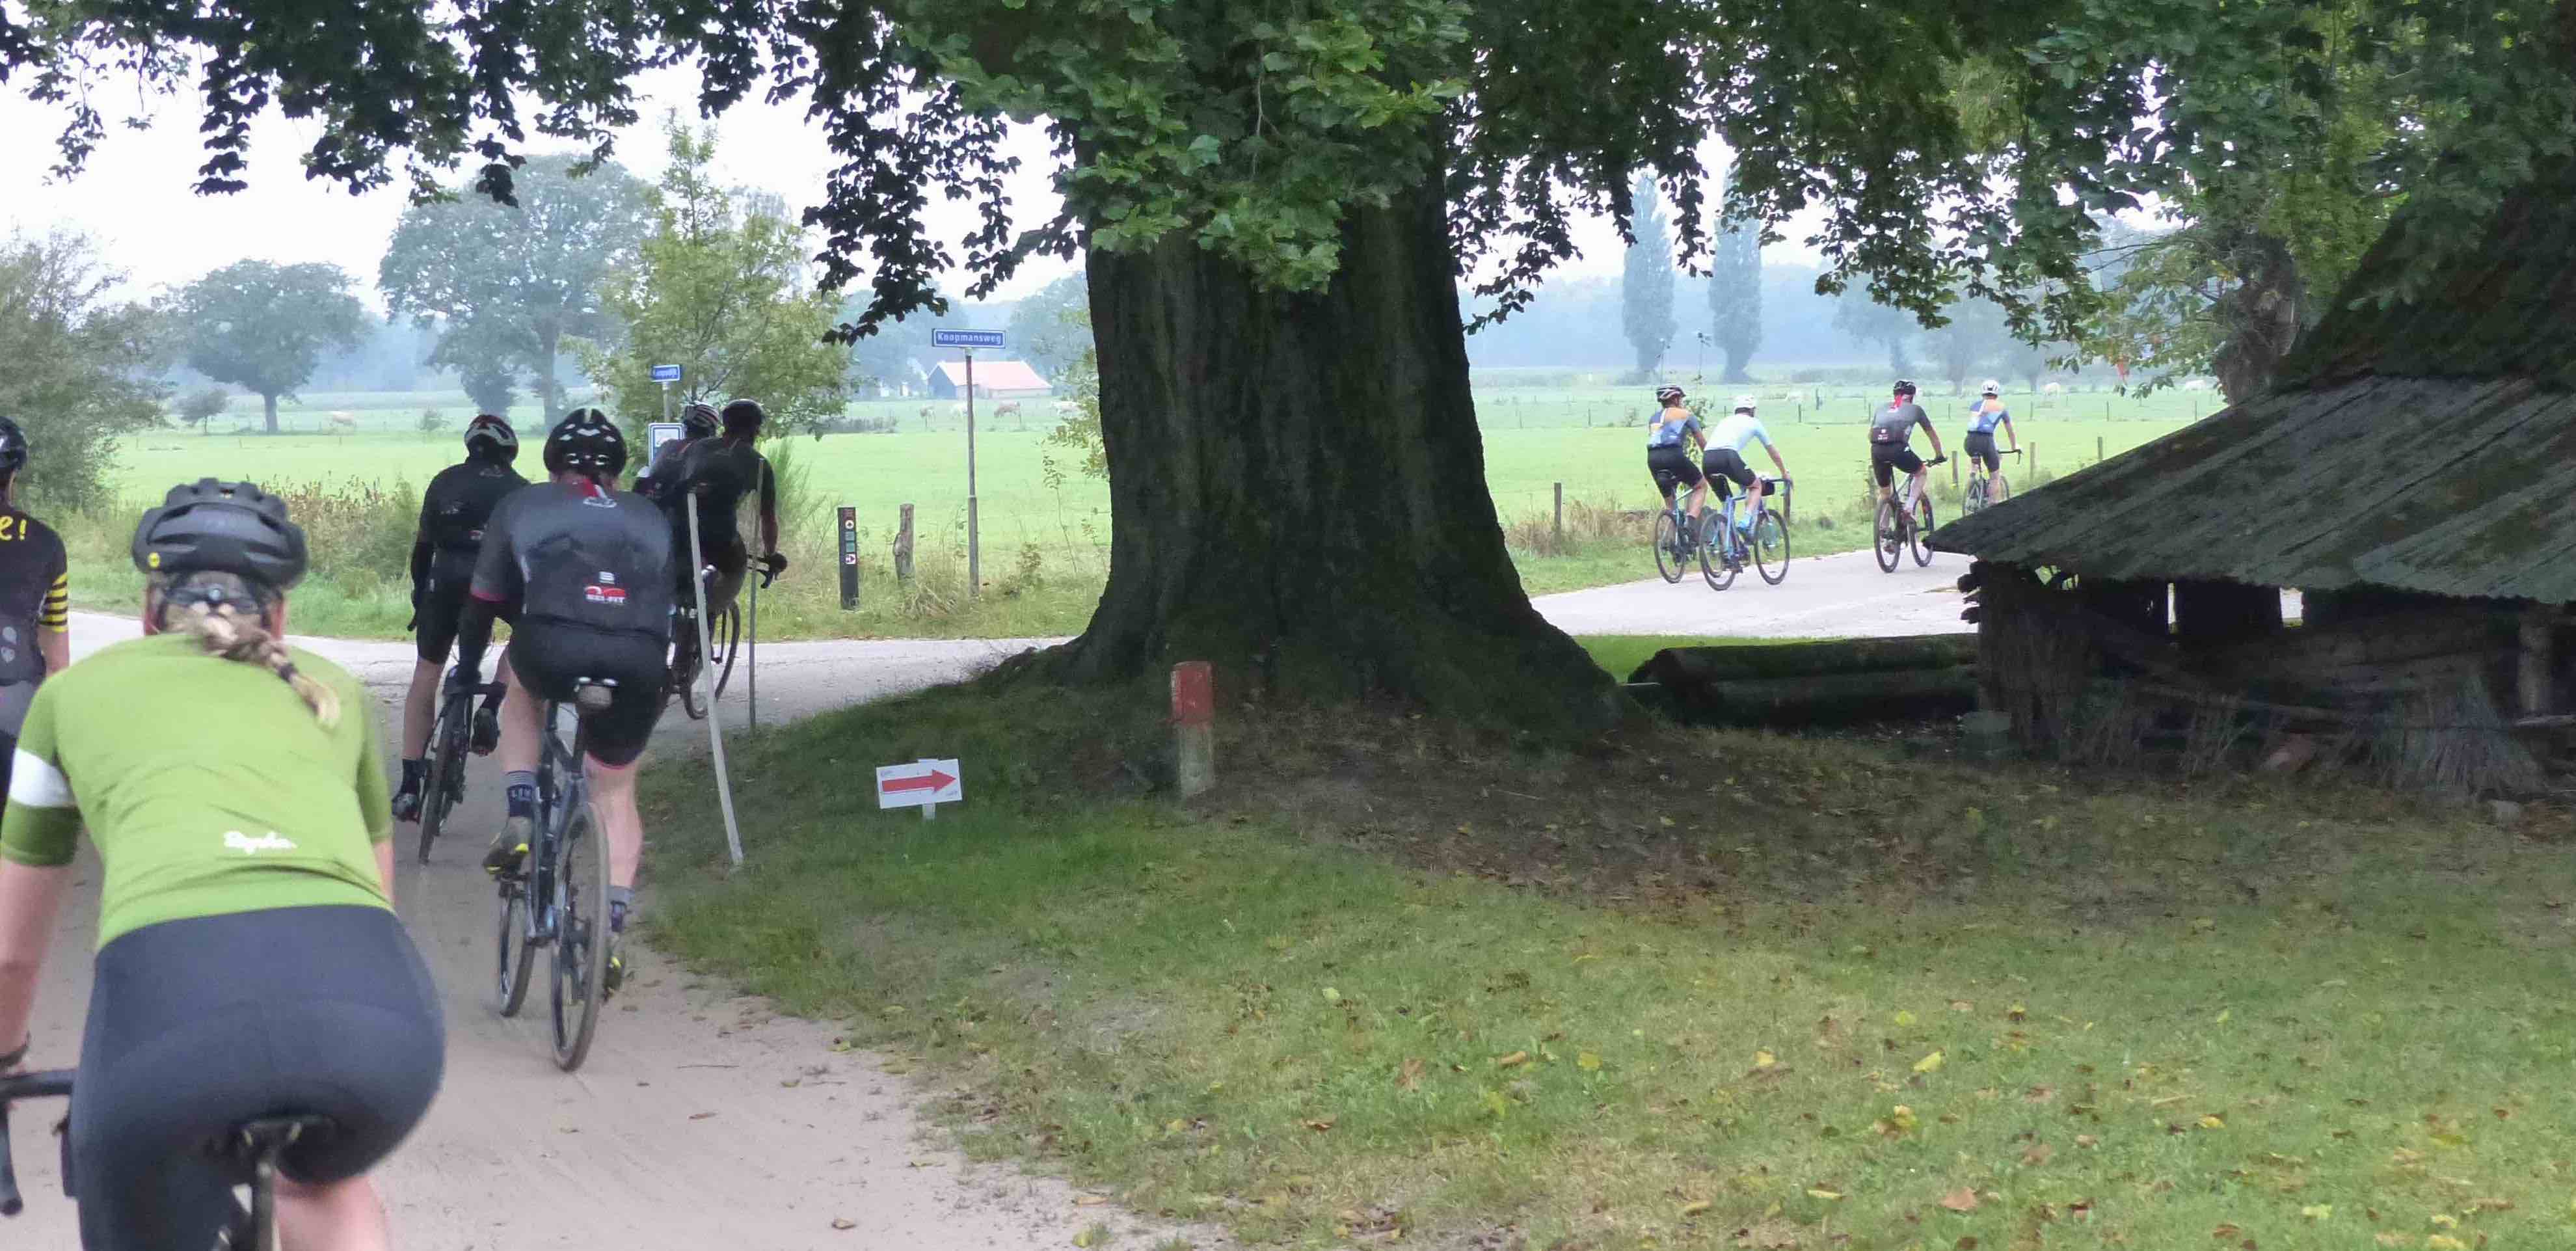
[[666, 373], [967, 338]]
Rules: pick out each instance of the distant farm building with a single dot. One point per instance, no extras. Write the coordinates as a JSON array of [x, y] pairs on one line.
[[994, 380], [2411, 476]]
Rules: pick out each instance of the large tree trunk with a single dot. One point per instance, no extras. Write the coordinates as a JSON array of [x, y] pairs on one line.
[[549, 392], [1297, 487], [2268, 309], [271, 400]]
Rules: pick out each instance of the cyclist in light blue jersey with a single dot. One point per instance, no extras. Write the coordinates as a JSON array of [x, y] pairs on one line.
[[1725, 458], [1667, 457], [1983, 417]]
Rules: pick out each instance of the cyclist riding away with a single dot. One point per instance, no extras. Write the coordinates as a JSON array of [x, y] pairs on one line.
[[1670, 461], [453, 512], [582, 570], [35, 608], [1725, 459], [1983, 416], [249, 961], [697, 421], [1889, 434], [720, 471]]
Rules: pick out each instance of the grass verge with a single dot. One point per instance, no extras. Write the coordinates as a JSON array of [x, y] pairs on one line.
[[1686, 990]]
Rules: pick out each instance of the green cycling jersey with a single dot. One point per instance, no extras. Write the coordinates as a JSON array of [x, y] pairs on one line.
[[207, 784]]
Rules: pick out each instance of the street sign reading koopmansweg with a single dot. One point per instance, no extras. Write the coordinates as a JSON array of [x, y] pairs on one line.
[[666, 373], [967, 338]]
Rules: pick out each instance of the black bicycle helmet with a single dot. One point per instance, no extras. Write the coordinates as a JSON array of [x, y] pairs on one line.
[[586, 441], [1668, 395], [1905, 386], [490, 437], [13, 447], [221, 527], [744, 417], [698, 421]]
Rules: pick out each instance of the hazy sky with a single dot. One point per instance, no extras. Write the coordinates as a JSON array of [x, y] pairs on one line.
[[135, 197]]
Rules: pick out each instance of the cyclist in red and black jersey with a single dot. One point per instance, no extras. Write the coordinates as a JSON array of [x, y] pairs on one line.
[[453, 512], [35, 618]]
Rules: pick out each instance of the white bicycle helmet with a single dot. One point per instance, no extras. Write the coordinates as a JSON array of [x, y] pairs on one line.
[[1668, 395], [1992, 387], [1745, 404]]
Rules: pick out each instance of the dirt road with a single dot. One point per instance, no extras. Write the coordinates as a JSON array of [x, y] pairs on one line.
[[701, 1120]]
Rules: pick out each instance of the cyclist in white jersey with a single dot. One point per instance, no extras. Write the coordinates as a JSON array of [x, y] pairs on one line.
[[1983, 416], [1724, 461]]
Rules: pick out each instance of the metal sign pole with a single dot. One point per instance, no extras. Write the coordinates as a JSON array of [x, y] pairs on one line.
[[751, 677], [707, 674], [974, 531]]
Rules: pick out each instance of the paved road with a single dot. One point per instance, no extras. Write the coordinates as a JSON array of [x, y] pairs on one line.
[[1843, 596], [701, 1120]]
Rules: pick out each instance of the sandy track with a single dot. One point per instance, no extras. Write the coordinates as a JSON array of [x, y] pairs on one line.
[[701, 1121]]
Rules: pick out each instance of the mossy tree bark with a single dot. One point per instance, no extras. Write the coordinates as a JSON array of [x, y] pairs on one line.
[[1298, 491]]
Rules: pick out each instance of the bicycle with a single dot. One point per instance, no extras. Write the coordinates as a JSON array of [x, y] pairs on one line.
[[1909, 523], [1769, 549], [249, 1153], [450, 741], [1672, 555], [724, 636], [1975, 499], [558, 900]]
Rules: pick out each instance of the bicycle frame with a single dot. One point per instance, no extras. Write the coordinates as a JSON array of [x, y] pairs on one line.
[[253, 1147], [562, 788]]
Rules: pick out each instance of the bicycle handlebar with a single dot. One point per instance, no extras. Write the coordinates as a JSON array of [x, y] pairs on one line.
[[52, 1083]]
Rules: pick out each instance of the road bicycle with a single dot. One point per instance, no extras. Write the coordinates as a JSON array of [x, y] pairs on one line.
[[1905, 520], [1727, 550], [248, 1154], [558, 899], [1975, 499], [724, 637], [451, 741], [1672, 554]]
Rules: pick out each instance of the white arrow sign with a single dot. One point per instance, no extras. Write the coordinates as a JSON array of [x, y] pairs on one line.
[[923, 784]]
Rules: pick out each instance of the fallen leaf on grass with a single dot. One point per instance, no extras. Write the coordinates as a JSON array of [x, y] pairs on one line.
[[2212, 1122], [1819, 1192], [1319, 1124], [700, 1116], [1514, 1060], [1695, 1207], [1410, 1076], [2317, 1211], [1964, 1199], [2038, 1154], [1929, 1064], [843, 1222], [1904, 1019], [1764, 1059], [1089, 1201], [2086, 1140], [1588, 1062], [1331, 995]]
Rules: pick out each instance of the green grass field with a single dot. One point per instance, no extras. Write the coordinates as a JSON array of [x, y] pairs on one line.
[[1387, 987], [1049, 543]]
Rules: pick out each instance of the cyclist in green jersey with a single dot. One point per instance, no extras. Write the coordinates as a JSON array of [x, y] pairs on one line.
[[249, 961]]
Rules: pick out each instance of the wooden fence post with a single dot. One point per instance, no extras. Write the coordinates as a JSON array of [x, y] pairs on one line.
[[1193, 727], [2535, 671], [903, 547], [1560, 512], [2097, 449]]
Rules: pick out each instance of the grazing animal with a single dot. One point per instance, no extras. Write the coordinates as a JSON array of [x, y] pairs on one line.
[[344, 421], [2196, 384], [1009, 408], [2054, 388]]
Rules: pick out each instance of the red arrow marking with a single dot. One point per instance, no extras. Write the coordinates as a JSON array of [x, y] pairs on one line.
[[932, 781]]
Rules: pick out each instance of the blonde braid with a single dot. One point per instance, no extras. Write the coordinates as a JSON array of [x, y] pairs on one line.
[[226, 633]]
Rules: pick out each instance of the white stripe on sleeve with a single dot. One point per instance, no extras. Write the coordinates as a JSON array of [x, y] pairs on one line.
[[36, 783]]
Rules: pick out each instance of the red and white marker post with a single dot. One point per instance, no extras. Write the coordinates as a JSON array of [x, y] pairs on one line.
[[1193, 727]]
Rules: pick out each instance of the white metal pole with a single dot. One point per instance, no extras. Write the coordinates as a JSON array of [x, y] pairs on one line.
[[707, 675], [974, 531], [751, 676]]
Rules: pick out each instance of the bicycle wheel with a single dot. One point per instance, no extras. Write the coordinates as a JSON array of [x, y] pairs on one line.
[[1922, 536], [518, 958], [1887, 536], [1771, 547], [684, 669], [728, 639], [580, 952], [443, 779], [1670, 559], [1974, 500], [1713, 564]]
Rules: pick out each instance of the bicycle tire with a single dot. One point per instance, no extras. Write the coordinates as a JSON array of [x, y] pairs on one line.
[[1713, 564], [518, 957], [579, 957], [684, 670], [1886, 536], [1668, 540], [1771, 548], [728, 637], [1922, 536], [1973, 500], [440, 782]]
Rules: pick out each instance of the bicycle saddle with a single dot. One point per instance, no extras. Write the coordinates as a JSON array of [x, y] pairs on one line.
[[268, 1138], [592, 696]]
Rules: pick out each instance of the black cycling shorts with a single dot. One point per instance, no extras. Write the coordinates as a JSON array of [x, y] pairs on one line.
[[1981, 450], [1882, 459], [197, 1026], [1724, 463], [442, 603], [552, 658], [1672, 468], [730, 559]]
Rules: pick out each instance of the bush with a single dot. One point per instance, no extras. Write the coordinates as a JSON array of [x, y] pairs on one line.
[[359, 533], [203, 405], [430, 423]]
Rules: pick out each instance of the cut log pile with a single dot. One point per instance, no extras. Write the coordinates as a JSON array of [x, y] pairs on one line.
[[1814, 685]]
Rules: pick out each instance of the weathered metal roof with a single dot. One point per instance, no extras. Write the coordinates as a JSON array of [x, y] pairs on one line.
[[2446, 486]]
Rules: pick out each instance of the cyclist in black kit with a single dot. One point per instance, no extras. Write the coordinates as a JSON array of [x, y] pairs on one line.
[[35, 581], [584, 571], [720, 471], [697, 421], [453, 512]]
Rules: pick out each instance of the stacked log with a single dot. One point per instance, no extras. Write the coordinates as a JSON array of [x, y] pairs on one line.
[[1818, 684]]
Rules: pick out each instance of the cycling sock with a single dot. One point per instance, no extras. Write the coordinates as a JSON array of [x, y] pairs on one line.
[[621, 903], [522, 792], [412, 772]]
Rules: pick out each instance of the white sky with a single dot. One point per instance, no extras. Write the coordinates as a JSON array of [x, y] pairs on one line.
[[135, 195]]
